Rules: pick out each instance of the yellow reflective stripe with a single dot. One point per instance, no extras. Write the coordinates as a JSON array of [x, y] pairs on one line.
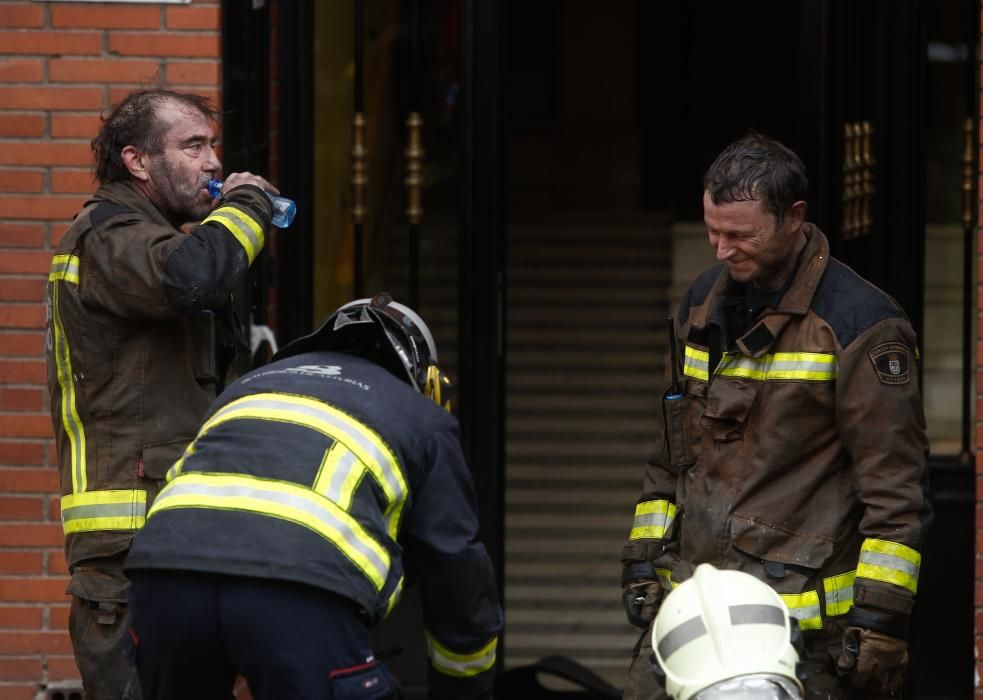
[[461, 665], [362, 441], [808, 366], [696, 363], [665, 578], [246, 229], [394, 598], [103, 510], [804, 607], [339, 475], [890, 562], [69, 413], [64, 267], [179, 465], [652, 519], [285, 501], [839, 593]]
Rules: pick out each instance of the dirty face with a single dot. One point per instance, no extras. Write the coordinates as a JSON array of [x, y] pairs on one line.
[[179, 174], [751, 242]]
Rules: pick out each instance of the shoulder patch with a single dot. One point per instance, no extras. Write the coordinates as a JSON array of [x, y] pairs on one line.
[[892, 362]]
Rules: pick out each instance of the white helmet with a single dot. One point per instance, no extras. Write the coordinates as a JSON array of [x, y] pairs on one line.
[[725, 634]]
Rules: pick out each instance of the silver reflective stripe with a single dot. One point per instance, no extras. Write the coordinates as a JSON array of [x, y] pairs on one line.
[[343, 468], [344, 428], [464, 664], [132, 509], [680, 636], [274, 498], [889, 561], [236, 220], [652, 520], [757, 615]]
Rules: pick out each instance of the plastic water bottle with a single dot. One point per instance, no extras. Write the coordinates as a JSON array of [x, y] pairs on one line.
[[284, 210]]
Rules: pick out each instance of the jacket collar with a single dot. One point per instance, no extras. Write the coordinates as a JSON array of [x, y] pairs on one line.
[[125, 196], [795, 302]]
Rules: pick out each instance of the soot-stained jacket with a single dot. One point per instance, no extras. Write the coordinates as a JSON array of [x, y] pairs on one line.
[[139, 336], [795, 451]]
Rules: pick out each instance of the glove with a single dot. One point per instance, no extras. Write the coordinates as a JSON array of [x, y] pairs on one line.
[[873, 661], [641, 600]]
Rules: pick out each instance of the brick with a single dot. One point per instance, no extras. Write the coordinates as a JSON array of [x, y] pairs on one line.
[[194, 18], [15, 454], [21, 125], [40, 207], [34, 642], [51, 43], [116, 16], [21, 70], [27, 535], [21, 14], [20, 669], [62, 668], [57, 231], [19, 344], [57, 566], [23, 372], [19, 691], [75, 125], [79, 181], [20, 617], [21, 180], [13, 289], [165, 45], [101, 71], [19, 562], [20, 316], [50, 97], [46, 153], [194, 72], [26, 425], [12, 399], [58, 616]]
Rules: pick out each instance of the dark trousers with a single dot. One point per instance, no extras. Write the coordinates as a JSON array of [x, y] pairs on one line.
[[194, 632]]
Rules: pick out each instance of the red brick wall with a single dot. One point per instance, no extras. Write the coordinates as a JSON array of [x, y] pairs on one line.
[[61, 64]]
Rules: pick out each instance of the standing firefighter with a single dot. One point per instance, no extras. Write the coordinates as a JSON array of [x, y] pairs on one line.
[[279, 540], [795, 445], [140, 337]]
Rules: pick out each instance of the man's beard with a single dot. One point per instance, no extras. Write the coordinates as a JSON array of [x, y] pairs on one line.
[[179, 201]]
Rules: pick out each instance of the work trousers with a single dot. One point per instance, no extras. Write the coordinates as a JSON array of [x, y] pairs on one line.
[[97, 625], [195, 632]]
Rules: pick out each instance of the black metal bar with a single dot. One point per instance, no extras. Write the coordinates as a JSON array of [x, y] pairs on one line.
[[413, 257], [358, 103], [969, 229], [481, 314]]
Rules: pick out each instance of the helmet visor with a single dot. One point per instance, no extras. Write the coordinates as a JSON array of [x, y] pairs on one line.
[[756, 687]]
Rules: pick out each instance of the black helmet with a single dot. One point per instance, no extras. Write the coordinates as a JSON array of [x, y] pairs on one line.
[[385, 332]]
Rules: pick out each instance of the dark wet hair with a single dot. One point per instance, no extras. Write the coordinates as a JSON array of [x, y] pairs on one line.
[[134, 122], [757, 167]]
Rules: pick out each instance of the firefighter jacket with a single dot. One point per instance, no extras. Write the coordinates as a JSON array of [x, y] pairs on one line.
[[134, 307], [795, 451], [320, 469]]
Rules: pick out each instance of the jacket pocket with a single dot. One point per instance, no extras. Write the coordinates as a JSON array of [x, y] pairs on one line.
[[202, 347], [766, 542], [369, 682], [158, 458], [728, 405], [677, 446]]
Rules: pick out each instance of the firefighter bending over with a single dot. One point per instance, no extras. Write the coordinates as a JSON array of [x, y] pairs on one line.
[[278, 542]]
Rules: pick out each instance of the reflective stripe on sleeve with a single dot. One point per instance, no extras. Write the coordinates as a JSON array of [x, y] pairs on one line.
[[246, 229], [804, 607], [285, 501], [839, 593], [103, 510], [652, 519], [665, 578], [64, 267], [461, 665], [890, 562], [807, 366], [696, 363]]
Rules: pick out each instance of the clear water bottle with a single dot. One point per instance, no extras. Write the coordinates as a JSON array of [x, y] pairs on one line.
[[284, 210]]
